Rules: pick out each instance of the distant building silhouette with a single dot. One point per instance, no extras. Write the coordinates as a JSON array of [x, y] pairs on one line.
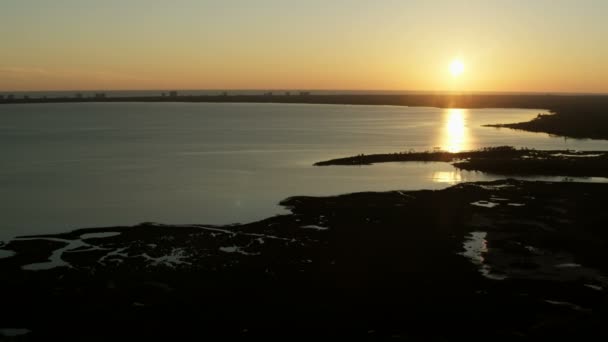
[[10, 97], [225, 93], [26, 97], [287, 93], [268, 93], [78, 95], [100, 95], [173, 93], [1, 97], [304, 93]]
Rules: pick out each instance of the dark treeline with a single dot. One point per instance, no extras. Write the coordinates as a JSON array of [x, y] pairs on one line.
[[589, 120], [549, 102]]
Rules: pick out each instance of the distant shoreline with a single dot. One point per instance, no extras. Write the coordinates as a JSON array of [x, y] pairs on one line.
[[549, 102]]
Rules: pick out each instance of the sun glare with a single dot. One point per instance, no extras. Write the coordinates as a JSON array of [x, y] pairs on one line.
[[456, 68], [455, 136], [449, 177]]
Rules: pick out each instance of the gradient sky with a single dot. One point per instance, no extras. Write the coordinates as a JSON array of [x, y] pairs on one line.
[[541, 45]]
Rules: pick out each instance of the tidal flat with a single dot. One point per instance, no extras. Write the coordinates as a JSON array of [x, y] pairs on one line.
[[514, 259]]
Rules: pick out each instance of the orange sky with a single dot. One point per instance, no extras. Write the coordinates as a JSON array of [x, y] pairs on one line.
[[545, 46]]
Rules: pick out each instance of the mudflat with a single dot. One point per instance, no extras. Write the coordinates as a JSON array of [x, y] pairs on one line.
[[513, 259]]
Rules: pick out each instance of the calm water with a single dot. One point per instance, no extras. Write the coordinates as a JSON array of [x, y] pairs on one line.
[[68, 166]]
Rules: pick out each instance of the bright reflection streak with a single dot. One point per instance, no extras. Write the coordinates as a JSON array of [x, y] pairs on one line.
[[450, 177], [455, 135]]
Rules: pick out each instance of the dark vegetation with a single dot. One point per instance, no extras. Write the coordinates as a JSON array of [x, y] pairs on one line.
[[499, 160], [570, 121], [366, 265]]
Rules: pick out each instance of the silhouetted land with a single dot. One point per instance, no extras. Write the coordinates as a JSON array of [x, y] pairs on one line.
[[513, 260], [508, 259], [578, 116], [504, 160]]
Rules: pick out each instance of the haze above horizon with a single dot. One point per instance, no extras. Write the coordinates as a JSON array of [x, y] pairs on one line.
[[515, 46]]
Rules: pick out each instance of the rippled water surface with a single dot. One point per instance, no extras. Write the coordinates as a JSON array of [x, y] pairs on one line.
[[68, 166]]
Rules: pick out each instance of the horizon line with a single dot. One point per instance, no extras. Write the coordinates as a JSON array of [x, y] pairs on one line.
[[420, 92]]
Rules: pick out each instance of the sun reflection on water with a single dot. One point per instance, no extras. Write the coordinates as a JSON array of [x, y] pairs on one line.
[[455, 134], [449, 177]]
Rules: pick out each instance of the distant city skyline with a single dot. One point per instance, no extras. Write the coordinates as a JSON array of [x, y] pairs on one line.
[[498, 46]]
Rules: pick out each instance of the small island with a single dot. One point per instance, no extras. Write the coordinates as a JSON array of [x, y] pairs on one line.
[[505, 160]]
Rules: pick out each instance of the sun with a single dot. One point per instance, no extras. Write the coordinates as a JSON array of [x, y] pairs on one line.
[[456, 67]]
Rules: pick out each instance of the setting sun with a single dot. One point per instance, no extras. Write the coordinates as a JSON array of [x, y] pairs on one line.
[[456, 68]]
